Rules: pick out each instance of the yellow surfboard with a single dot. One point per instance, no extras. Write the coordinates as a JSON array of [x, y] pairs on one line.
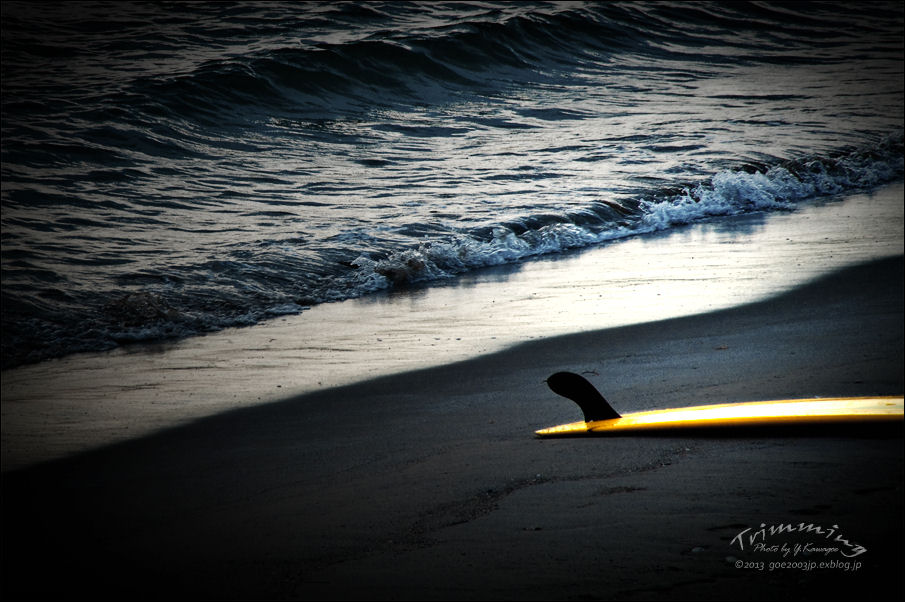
[[602, 419]]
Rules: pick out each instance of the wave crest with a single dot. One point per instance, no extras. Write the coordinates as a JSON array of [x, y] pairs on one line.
[[727, 193]]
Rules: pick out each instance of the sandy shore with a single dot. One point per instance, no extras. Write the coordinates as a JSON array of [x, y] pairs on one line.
[[430, 485], [54, 409]]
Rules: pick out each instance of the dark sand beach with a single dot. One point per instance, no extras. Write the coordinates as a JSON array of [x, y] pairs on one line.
[[431, 485]]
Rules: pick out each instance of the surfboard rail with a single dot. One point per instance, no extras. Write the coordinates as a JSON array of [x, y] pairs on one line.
[[814, 414]]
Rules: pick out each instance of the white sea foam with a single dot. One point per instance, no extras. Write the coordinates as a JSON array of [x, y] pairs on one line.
[[332, 153], [727, 193]]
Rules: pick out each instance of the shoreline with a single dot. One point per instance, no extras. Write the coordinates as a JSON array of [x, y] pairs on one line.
[[57, 408], [430, 484]]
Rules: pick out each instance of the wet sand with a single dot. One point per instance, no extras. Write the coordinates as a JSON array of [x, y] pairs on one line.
[[81, 402], [430, 485]]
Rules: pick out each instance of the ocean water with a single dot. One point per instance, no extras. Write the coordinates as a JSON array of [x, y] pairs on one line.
[[173, 169]]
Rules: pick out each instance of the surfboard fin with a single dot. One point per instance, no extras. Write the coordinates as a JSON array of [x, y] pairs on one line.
[[578, 389]]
